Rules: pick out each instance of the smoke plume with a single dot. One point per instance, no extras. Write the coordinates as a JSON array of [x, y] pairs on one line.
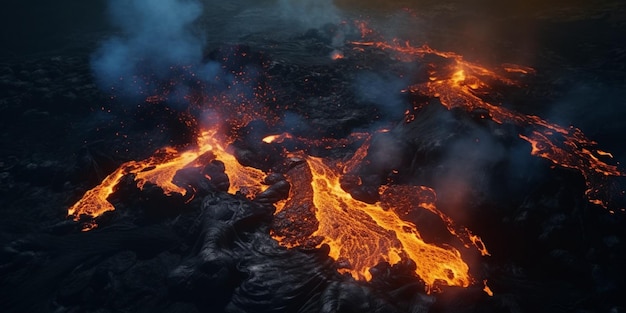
[[154, 36]]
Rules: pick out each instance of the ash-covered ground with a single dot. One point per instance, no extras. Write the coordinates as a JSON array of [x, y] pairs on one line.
[[64, 129]]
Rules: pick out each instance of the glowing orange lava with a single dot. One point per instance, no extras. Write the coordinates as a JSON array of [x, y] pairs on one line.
[[336, 55], [160, 169], [361, 235], [277, 138], [460, 84], [366, 234]]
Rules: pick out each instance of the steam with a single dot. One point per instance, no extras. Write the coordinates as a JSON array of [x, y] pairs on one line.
[[467, 167], [585, 103], [384, 91], [155, 35]]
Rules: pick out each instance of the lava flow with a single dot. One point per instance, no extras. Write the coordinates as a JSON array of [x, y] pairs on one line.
[[458, 83], [361, 235], [160, 170]]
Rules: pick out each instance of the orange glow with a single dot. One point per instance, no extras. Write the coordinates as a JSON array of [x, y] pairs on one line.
[[361, 235], [364, 29], [277, 138], [486, 289], [336, 55], [270, 139], [243, 179], [94, 202], [514, 68], [160, 169], [458, 77], [460, 84]]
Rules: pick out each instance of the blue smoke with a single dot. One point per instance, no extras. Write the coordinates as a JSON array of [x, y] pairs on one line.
[[155, 35]]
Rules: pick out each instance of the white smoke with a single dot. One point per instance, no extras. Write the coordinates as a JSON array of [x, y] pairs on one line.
[[384, 91]]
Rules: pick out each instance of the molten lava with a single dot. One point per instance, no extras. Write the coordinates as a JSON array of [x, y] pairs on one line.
[[277, 138], [460, 84], [160, 170], [362, 235]]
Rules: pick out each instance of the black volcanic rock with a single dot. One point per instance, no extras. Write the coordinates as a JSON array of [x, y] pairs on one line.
[[276, 192]]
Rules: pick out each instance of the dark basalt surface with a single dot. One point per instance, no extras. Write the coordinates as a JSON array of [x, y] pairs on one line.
[[60, 135]]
